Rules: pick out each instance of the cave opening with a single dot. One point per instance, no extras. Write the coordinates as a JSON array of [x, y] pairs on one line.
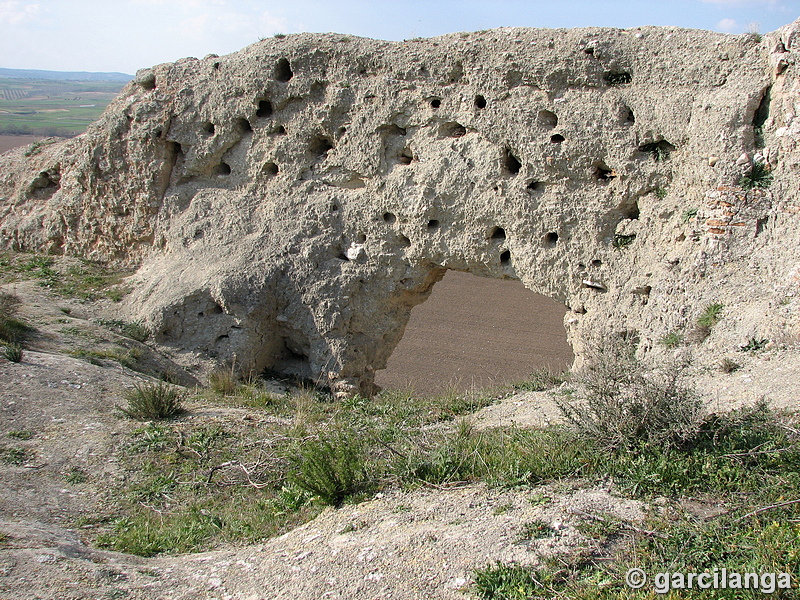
[[475, 332]]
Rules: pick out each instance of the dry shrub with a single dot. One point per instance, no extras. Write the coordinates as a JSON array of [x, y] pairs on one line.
[[618, 402]]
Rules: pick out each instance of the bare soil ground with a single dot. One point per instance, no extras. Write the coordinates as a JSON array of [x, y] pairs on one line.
[[474, 332]]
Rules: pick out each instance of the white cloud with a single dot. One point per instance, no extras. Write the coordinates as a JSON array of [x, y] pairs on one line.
[[728, 26], [16, 13]]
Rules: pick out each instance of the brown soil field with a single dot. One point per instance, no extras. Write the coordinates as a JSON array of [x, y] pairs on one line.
[[7, 142], [474, 332]]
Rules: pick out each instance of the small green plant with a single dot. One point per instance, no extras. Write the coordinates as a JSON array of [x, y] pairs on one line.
[[710, 316], [502, 509], [754, 345], [661, 192], [15, 456], [21, 435], [760, 176], [151, 401], [688, 215], [536, 530], [504, 582], [331, 467], [12, 330], [279, 36], [672, 340], [75, 476], [623, 241]]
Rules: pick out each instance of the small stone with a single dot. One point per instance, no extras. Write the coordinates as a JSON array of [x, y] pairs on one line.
[[713, 160], [744, 159]]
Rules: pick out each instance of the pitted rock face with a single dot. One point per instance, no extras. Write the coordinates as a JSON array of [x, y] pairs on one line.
[[290, 203]]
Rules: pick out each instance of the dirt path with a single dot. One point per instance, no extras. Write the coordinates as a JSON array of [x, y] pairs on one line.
[[476, 332]]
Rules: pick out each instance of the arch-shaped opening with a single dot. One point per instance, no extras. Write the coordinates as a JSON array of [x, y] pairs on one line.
[[556, 139], [474, 332]]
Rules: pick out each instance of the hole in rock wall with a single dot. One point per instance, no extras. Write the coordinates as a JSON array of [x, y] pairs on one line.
[[320, 146], [505, 257], [480, 101], [264, 109], [283, 70], [510, 162], [603, 174], [617, 78], [222, 168], [547, 119], [535, 186], [556, 139], [436, 103], [474, 332], [279, 130], [389, 218], [270, 169], [244, 125], [551, 239], [208, 128], [433, 225], [498, 233], [453, 130]]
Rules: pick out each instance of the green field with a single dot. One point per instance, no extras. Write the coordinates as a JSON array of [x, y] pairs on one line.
[[57, 108]]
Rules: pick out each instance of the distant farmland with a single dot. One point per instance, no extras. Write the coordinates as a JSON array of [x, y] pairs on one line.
[[44, 107]]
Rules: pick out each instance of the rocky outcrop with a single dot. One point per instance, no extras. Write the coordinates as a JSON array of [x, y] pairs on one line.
[[290, 203]]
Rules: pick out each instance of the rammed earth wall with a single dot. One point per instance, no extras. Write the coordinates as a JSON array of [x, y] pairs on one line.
[[290, 203]]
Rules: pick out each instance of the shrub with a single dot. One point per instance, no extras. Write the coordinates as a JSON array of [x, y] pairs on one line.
[[619, 403], [688, 215], [754, 345], [331, 467], [12, 330], [153, 401]]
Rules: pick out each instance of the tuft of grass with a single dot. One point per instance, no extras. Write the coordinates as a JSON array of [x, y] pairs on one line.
[[15, 456], [22, 434], [75, 476], [754, 345], [710, 316], [136, 330], [760, 176], [536, 530], [152, 401], [12, 330], [726, 365], [661, 192], [223, 381], [13, 353]]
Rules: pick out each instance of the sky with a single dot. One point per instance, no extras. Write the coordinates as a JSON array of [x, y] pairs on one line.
[[126, 35]]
